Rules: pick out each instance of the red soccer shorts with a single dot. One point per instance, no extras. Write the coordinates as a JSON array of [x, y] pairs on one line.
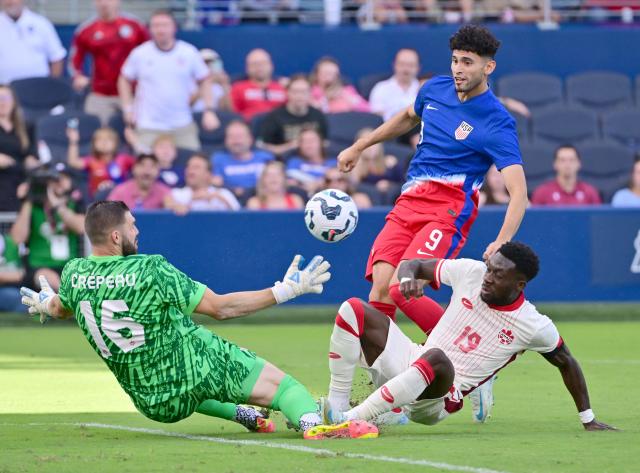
[[426, 222]]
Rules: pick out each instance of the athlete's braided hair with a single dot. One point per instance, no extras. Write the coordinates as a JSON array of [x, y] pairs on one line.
[[476, 39], [523, 257]]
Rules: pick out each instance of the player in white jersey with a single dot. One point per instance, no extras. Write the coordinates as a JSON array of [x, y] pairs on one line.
[[487, 324]]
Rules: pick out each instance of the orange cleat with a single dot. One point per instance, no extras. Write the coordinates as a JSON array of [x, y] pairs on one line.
[[353, 429], [265, 426]]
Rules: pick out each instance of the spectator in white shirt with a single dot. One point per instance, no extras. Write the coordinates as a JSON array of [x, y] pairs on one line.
[[199, 194], [165, 69], [390, 96], [29, 44]]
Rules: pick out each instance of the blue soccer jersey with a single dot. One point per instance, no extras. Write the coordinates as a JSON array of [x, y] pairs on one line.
[[460, 140]]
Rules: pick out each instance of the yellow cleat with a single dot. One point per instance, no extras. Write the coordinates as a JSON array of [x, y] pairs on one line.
[[353, 429]]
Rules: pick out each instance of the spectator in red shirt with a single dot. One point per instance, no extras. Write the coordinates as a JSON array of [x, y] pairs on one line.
[[259, 93], [271, 191], [143, 192], [566, 188], [104, 165], [108, 38]]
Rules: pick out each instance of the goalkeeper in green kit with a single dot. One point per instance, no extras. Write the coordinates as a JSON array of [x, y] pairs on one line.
[[134, 311]]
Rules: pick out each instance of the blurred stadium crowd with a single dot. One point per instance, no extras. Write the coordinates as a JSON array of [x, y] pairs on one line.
[[161, 125]]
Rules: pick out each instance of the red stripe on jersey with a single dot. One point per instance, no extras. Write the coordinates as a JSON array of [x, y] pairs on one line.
[[513, 357], [334, 355], [560, 342], [425, 368], [510, 307]]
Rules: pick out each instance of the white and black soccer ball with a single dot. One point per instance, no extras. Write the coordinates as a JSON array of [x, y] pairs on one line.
[[331, 215]]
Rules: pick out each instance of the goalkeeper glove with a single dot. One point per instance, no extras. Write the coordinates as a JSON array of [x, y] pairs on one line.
[[39, 302], [299, 280]]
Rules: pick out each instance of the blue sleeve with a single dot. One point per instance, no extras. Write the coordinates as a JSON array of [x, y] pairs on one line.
[[264, 156], [218, 164], [502, 143], [294, 163], [418, 106]]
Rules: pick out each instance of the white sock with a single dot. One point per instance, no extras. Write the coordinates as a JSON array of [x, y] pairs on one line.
[[397, 392], [309, 420], [344, 353]]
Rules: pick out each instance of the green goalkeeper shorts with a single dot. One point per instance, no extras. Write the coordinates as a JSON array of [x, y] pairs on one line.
[[232, 376]]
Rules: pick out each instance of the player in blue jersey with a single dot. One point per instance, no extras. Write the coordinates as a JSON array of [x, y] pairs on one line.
[[464, 129]]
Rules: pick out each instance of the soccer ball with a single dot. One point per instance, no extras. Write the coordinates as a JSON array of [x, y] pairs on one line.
[[331, 215]]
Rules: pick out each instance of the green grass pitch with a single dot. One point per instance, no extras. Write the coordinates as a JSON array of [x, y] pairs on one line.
[[62, 411]]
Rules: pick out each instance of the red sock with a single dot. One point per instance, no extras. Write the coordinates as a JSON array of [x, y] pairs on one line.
[[425, 312], [388, 309]]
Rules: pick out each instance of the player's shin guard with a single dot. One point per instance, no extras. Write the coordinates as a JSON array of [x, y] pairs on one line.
[[296, 403], [387, 309], [397, 392], [344, 352], [424, 311]]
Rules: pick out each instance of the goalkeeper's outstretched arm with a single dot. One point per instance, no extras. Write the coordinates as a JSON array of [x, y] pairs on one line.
[[297, 281]]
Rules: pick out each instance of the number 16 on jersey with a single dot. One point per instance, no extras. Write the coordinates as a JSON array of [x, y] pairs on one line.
[[124, 332]]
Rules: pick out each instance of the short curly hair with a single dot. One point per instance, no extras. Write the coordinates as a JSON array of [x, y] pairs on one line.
[[476, 39], [523, 257]]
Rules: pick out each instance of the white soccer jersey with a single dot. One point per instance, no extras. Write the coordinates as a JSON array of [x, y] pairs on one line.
[[479, 338], [165, 82], [27, 46], [219, 198]]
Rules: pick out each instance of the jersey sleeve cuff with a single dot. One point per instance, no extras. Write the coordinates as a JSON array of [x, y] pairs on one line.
[[436, 283], [550, 354], [195, 298]]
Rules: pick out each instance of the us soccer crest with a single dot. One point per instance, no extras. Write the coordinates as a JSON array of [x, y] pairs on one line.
[[463, 131]]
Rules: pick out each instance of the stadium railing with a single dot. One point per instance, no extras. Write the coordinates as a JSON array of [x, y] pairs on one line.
[[6, 220], [192, 14]]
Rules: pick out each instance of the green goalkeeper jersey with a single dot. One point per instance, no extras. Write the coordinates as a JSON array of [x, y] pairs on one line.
[[134, 311]]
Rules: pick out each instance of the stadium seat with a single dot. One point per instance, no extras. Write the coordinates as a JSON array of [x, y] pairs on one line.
[[343, 127], [561, 125], [400, 151], [607, 185], [183, 156], [522, 126], [623, 126], [333, 148], [599, 91], [538, 162], [52, 130], [536, 90], [214, 139], [117, 123], [38, 96], [367, 82], [605, 159]]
